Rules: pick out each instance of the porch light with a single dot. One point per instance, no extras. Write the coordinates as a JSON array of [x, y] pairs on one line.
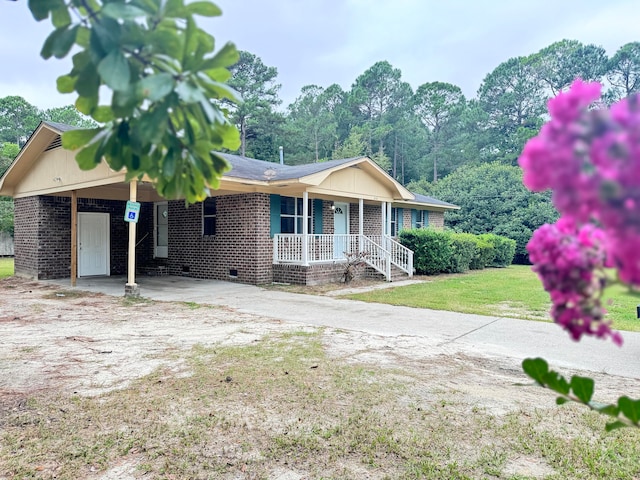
[[333, 207]]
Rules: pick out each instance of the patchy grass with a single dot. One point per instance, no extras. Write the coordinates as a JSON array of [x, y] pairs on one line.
[[6, 267], [282, 405], [66, 294], [514, 292]]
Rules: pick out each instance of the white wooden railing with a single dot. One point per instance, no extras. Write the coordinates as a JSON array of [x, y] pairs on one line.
[[381, 251], [401, 256]]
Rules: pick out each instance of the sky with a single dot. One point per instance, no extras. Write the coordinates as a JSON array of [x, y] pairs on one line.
[[323, 42]]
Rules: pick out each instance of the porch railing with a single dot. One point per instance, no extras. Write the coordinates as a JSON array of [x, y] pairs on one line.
[[289, 248], [382, 251]]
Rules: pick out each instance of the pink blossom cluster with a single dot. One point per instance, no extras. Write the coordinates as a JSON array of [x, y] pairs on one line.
[[570, 262], [590, 159]]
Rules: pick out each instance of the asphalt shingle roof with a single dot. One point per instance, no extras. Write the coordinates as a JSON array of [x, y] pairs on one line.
[[432, 201], [259, 170]]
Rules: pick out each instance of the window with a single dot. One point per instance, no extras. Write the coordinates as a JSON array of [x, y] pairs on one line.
[[394, 222], [209, 213], [422, 219], [291, 215]]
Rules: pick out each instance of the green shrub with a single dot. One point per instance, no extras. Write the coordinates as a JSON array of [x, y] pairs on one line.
[[463, 250], [431, 249], [484, 253], [504, 249]]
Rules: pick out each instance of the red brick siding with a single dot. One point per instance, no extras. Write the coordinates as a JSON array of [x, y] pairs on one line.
[[43, 235], [436, 219], [242, 242], [27, 213]]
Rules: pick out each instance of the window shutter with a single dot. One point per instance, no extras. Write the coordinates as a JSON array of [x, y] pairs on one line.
[[275, 214], [414, 217], [426, 218], [317, 216], [400, 214]]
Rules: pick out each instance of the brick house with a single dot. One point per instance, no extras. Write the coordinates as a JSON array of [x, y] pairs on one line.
[[266, 223]]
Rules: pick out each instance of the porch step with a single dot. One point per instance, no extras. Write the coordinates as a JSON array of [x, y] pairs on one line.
[[396, 274]]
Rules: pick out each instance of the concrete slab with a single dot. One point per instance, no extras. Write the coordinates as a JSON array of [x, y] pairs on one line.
[[440, 330]]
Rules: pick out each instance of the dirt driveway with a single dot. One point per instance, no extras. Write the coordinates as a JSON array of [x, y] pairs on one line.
[[86, 344]]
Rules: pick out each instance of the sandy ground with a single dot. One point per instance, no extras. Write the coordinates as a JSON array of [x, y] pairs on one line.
[[92, 343]]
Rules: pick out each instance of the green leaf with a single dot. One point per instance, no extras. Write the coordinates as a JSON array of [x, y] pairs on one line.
[[75, 139], [88, 82], [86, 158], [66, 84], [59, 42], [60, 17], [151, 126], [117, 11], [83, 37], [556, 382], [536, 368], [166, 41], [114, 71], [582, 388], [40, 8], [206, 9], [630, 408], [155, 87], [561, 400], [175, 9], [615, 425], [605, 408], [86, 104], [102, 114], [226, 56]]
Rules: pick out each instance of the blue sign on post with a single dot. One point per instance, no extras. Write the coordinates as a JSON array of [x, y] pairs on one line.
[[132, 212]]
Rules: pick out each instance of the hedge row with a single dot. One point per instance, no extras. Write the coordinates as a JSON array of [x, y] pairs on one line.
[[437, 251]]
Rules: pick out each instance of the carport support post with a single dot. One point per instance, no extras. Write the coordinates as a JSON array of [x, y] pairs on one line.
[[131, 289], [74, 237]]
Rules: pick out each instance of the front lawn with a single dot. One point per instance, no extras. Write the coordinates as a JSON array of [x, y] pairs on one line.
[[514, 292], [6, 267]]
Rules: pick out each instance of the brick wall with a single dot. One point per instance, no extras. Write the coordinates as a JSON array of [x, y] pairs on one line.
[[436, 219], [27, 213], [317, 274], [241, 250], [43, 235]]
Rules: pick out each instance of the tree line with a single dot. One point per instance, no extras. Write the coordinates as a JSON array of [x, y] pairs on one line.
[[422, 137]]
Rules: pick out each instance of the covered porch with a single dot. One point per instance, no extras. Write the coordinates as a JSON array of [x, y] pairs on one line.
[[379, 251]]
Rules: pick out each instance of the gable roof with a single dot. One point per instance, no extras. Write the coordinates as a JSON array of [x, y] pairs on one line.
[[244, 170]]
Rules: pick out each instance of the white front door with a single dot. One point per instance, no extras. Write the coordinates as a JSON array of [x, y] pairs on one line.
[[161, 234], [340, 229], [93, 244]]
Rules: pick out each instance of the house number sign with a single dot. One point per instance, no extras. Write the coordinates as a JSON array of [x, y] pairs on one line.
[[132, 212]]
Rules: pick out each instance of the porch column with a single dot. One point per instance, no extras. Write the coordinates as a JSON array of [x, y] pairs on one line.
[[305, 228], [131, 289], [361, 216], [389, 219], [383, 218], [74, 237]]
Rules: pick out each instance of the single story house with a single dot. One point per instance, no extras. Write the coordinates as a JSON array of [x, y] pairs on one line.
[[266, 223]]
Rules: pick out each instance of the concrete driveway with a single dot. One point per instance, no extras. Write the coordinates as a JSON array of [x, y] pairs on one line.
[[440, 331]]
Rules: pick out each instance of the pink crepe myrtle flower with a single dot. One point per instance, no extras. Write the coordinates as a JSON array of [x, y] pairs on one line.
[[590, 159]]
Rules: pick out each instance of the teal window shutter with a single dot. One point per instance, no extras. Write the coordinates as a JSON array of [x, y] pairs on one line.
[[414, 217], [317, 216], [275, 214], [399, 219], [426, 218]]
